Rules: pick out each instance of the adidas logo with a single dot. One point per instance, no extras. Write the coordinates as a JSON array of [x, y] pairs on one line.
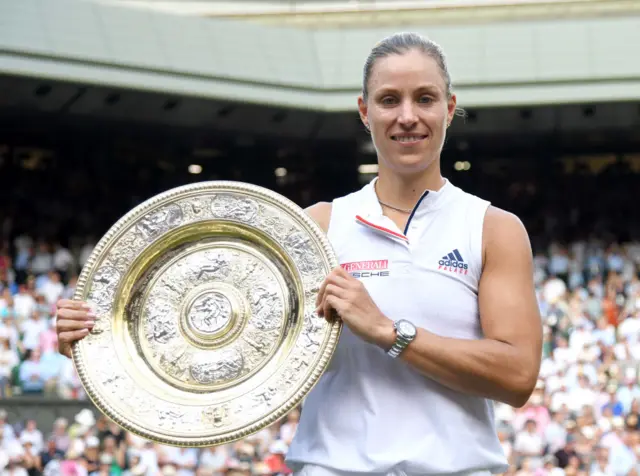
[[453, 263]]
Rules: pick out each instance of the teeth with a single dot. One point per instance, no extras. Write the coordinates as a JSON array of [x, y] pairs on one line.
[[408, 138]]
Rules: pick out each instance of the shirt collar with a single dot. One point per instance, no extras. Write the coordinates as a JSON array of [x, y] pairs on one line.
[[433, 200]]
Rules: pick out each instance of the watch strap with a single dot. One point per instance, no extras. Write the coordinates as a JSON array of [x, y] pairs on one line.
[[399, 345]]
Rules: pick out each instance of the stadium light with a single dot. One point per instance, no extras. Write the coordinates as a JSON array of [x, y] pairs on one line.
[[460, 166], [368, 169], [281, 172], [195, 169]]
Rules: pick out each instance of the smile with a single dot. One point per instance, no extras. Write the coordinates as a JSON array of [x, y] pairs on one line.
[[409, 139]]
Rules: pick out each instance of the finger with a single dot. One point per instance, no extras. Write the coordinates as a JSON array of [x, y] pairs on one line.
[[334, 290], [66, 326], [324, 284], [337, 280], [328, 312], [320, 309], [331, 304], [73, 336], [75, 315], [320, 295], [329, 289], [72, 304], [340, 271]]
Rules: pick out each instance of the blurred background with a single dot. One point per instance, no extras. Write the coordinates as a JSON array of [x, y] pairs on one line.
[[104, 104]]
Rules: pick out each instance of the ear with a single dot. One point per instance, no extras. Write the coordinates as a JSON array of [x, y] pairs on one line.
[[362, 110], [451, 108]]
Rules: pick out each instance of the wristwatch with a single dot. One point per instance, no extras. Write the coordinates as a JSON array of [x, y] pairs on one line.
[[405, 333]]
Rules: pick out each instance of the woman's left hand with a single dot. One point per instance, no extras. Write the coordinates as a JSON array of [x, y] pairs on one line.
[[350, 299]]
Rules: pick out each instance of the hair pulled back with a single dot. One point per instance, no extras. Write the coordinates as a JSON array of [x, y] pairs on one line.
[[398, 44]]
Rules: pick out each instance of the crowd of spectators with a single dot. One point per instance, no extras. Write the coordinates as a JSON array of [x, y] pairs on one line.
[[584, 415], [90, 446], [583, 418]]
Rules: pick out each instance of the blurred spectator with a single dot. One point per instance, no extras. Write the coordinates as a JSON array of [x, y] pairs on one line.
[[31, 330], [212, 461], [32, 435], [529, 444], [51, 287], [8, 360], [24, 304], [50, 453], [60, 437], [42, 261], [63, 262], [32, 379]]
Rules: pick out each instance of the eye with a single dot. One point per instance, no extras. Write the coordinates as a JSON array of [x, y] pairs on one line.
[[424, 99], [388, 100]]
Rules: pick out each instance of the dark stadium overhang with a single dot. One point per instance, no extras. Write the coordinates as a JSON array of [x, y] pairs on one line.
[[56, 100]]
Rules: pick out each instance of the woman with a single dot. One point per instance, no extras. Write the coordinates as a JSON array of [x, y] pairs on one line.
[[435, 291]]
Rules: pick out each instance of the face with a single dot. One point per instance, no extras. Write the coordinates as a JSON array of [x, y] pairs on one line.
[[407, 111], [109, 445]]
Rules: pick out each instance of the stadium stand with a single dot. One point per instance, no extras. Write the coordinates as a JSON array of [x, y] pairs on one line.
[[576, 422]]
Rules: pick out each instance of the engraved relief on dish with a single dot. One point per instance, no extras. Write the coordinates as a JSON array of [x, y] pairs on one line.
[[206, 313], [234, 207], [275, 224], [298, 245], [205, 297], [159, 221], [105, 282]]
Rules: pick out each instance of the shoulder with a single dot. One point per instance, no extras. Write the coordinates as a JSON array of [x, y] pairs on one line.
[[321, 214], [321, 211], [504, 234]]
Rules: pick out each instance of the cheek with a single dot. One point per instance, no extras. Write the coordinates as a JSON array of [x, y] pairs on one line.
[[381, 119], [436, 118]]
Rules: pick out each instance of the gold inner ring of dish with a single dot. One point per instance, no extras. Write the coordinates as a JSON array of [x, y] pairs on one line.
[[124, 329]]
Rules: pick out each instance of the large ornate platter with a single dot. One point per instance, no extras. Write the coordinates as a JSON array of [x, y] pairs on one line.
[[206, 328]]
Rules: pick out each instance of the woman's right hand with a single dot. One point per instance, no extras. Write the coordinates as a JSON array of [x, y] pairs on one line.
[[74, 320]]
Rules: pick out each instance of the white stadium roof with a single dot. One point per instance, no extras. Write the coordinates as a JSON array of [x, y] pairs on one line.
[[559, 52]]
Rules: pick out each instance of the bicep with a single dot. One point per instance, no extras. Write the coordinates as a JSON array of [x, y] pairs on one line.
[[509, 310]]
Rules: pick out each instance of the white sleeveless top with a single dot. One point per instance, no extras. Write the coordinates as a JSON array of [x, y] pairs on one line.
[[370, 413]]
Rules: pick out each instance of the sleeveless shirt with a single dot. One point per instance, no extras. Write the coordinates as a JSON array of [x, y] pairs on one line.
[[370, 413]]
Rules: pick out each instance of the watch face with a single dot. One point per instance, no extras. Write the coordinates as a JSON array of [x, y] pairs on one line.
[[406, 328]]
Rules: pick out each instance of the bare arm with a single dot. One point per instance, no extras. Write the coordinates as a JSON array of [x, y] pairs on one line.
[[321, 214], [504, 365]]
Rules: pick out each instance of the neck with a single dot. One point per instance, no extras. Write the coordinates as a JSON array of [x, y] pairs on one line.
[[404, 191]]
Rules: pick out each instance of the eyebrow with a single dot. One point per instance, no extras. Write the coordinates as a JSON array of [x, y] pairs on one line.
[[423, 87]]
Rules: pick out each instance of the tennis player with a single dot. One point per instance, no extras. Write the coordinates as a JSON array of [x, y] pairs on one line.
[[435, 290]]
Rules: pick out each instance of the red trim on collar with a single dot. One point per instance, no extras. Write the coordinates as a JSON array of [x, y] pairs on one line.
[[380, 228]]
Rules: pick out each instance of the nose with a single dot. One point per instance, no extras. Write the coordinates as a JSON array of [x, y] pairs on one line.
[[407, 114]]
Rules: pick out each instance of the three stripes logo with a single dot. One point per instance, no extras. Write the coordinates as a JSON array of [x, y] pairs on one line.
[[453, 263]]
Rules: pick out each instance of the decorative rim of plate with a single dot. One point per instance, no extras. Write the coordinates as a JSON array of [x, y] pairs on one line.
[[325, 355]]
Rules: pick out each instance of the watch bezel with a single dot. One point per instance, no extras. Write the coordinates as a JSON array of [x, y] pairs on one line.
[[401, 332]]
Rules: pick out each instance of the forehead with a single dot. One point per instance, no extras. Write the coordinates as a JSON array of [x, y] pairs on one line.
[[411, 70]]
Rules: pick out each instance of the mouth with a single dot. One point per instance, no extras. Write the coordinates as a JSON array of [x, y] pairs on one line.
[[409, 139]]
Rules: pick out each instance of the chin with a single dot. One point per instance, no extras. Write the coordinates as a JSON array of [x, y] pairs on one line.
[[410, 164]]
